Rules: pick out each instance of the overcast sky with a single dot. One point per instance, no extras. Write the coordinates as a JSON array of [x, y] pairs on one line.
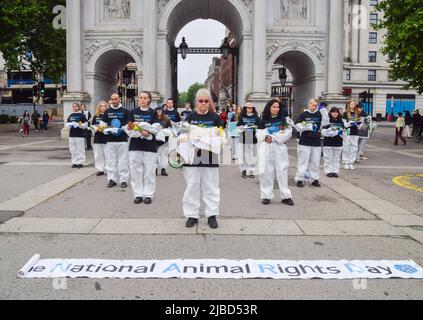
[[199, 33]]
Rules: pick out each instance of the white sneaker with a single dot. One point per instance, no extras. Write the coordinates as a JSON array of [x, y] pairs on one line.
[[347, 167], [351, 167]]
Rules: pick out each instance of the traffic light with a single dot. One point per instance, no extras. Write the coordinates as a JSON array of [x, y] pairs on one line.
[[35, 91], [363, 96], [42, 88]]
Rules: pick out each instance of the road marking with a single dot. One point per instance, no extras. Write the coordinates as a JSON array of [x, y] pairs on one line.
[[405, 182]]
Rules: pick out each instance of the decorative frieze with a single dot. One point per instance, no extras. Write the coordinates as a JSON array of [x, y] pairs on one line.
[[94, 46], [117, 9], [316, 47]]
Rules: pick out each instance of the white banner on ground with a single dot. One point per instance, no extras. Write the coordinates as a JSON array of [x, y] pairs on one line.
[[219, 269]]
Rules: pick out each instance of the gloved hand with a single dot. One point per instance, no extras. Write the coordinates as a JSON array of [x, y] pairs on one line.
[[119, 132], [321, 106], [315, 128], [273, 130], [353, 124], [340, 132]]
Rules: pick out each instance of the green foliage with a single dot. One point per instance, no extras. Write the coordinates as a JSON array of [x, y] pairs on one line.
[[13, 119], [4, 118], [192, 91], [28, 40], [403, 21], [182, 98]]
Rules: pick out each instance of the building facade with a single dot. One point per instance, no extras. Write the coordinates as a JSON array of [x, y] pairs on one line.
[[306, 36]]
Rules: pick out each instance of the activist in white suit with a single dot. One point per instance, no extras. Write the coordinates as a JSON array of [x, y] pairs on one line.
[[117, 165], [202, 175], [273, 132]]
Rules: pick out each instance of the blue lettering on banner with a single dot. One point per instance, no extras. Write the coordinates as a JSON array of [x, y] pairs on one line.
[[405, 268], [62, 268], [268, 267], [172, 267], [353, 268]]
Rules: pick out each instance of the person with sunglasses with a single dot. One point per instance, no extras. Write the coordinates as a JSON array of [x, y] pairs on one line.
[[203, 174]]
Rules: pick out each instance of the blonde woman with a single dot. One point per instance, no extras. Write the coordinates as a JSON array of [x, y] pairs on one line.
[[352, 122], [100, 140]]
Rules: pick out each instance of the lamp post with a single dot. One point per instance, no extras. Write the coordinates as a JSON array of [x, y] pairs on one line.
[[226, 48], [184, 48]]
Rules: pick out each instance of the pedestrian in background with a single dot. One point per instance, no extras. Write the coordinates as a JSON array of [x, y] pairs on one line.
[[399, 127], [26, 121], [46, 119], [35, 119], [408, 122]]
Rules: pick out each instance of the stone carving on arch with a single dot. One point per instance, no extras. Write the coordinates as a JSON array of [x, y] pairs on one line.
[[312, 48], [94, 49], [244, 7]]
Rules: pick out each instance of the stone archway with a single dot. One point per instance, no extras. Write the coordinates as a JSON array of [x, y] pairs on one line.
[[175, 14], [305, 67], [103, 67]]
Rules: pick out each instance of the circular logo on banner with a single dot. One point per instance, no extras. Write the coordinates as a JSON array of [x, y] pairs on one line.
[[116, 123], [405, 268]]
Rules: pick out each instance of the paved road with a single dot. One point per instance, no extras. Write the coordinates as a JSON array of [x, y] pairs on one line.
[[363, 215]]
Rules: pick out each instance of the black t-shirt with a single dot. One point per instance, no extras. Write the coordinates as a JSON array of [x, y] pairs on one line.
[[336, 141], [77, 117], [311, 138], [173, 115], [99, 137], [116, 118], [248, 137], [205, 158], [353, 129], [138, 144], [279, 121]]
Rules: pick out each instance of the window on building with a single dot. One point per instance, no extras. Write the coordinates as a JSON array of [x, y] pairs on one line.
[[391, 76], [348, 74], [374, 2], [373, 18], [372, 75], [372, 56], [373, 37]]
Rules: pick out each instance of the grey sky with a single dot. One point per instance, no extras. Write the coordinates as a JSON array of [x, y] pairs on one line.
[[199, 33]]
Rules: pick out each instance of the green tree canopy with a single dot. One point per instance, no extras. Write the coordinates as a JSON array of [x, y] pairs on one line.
[[192, 91], [403, 21], [28, 40], [182, 98]]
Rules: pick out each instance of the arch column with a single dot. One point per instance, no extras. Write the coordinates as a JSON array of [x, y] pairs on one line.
[[333, 95]]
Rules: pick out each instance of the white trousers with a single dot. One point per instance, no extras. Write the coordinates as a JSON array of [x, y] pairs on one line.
[[234, 147], [247, 157], [77, 150], [308, 159], [117, 165], [100, 156], [349, 151], [162, 157], [332, 159], [407, 132], [276, 164], [362, 143], [143, 173], [201, 180]]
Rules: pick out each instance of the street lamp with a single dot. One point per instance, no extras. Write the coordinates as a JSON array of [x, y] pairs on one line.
[[127, 76], [184, 48], [226, 48], [283, 76]]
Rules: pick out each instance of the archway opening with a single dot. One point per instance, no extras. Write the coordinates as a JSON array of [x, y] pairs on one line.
[[115, 71], [183, 12], [301, 82]]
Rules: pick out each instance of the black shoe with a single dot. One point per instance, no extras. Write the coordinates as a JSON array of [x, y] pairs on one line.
[[164, 173], [244, 174], [251, 176], [157, 172], [288, 202], [265, 202], [80, 166], [329, 175], [138, 200], [74, 166], [191, 222], [148, 200], [111, 184], [316, 184], [300, 184], [213, 222], [124, 185], [335, 175], [99, 174], [89, 149]]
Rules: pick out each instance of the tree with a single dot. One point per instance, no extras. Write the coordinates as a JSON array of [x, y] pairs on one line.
[[28, 40], [182, 99], [192, 91], [403, 21]]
